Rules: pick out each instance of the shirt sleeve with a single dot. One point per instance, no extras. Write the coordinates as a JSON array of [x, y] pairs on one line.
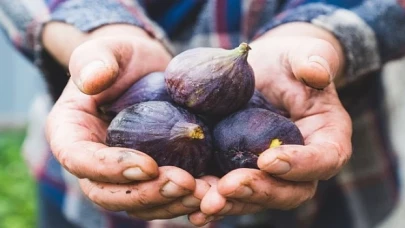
[[370, 33], [23, 20]]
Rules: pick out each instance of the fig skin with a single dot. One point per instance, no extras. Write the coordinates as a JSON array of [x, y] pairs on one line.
[[151, 87], [240, 138], [169, 134], [211, 81], [259, 101]]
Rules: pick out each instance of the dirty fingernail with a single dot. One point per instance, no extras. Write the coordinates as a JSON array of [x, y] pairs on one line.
[[320, 62], [190, 201], [278, 167], [135, 173], [90, 69], [171, 190]]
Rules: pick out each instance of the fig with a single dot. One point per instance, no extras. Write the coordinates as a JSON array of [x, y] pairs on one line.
[[241, 137], [171, 135], [212, 81], [259, 101], [151, 87]]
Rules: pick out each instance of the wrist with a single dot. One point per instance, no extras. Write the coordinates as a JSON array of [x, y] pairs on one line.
[[308, 30]]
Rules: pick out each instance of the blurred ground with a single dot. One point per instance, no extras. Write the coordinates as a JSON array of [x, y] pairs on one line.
[[17, 190]]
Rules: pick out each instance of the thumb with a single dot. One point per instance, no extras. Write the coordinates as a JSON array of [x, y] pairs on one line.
[[99, 64], [315, 62], [94, 65]]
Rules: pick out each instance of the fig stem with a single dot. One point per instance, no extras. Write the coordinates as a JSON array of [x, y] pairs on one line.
[[244, 48], [186, 130], [196, 133], [275, 143]]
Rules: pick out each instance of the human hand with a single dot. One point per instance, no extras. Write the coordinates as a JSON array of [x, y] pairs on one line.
[[117, 179], [287, 69]]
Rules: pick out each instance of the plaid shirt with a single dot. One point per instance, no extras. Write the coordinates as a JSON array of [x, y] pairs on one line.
[[370, 32]]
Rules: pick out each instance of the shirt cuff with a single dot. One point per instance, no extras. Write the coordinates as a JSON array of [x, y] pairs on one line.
[[357, 39]]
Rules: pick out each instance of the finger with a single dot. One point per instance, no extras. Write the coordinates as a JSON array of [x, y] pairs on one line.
[[179, 207], [213, 202], [76, 137], [315, 62], [200, 219], [98, 63], [257, 187], [194, 200], [240, 208], [94, 64], [304, 163], [171, 184], [83, 154], [327, 150]]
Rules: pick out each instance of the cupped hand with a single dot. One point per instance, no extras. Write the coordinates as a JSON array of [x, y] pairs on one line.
[[117, 179], [295, 73]]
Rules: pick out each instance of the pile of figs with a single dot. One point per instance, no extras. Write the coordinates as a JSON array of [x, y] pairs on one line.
[[202, 114]]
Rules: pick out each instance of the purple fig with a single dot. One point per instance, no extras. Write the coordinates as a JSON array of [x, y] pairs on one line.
[[169, 134], [151, 87], [211, 81], [259, 101], [242, 136]]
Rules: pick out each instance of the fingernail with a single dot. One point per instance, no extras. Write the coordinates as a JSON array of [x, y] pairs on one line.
[[242, 191], [190, 201], [278, 167], [172, 190], [91, 68], [135, 173], [89, 71], [227, 208], [321, 62]]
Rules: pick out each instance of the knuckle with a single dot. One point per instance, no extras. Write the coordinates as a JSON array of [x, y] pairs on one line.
[[99, 167], [168, 214], [141, 199], [303, 198], [344, 158], [93, 194], [341, 159], [66, 161]]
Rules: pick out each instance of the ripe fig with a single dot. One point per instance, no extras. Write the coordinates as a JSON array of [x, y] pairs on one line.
[[211, 81], [151, 87], [259, 101], [169, 134], [241, 137]]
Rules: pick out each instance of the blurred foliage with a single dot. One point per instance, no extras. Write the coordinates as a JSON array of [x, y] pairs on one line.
[[17, 190]]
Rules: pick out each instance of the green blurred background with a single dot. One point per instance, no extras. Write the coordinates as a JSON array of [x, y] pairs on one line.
[[17, 190], [20, 83]]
